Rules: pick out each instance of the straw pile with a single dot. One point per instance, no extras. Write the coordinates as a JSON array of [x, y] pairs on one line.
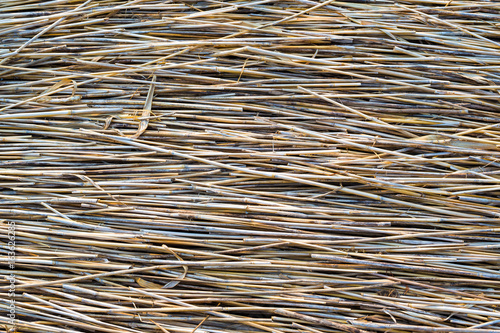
[[251, 166]]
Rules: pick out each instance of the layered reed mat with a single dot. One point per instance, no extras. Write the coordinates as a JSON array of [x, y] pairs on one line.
[[250, 166]]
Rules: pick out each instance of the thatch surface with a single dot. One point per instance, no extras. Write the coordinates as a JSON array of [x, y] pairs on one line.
[[251, 166]]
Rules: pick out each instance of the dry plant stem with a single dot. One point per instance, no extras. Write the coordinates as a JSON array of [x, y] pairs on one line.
[[250, 166]]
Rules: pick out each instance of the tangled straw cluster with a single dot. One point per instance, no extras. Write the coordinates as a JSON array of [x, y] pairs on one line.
[[251, 166]]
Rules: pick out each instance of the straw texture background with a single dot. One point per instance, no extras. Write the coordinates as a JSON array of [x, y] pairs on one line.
[[250, 166]]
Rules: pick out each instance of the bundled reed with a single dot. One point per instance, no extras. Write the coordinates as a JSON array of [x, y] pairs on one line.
[[251, 166]]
